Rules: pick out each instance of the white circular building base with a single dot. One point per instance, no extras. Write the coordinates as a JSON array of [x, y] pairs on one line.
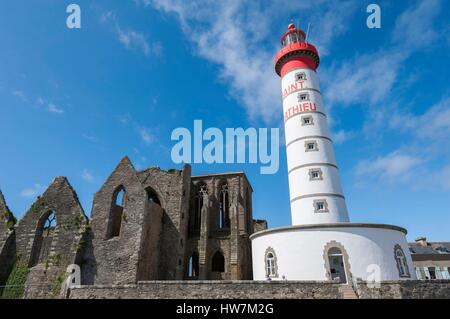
[[342, 252]]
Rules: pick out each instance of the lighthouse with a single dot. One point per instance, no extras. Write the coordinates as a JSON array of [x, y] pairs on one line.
[[315, 189], [321, 244]]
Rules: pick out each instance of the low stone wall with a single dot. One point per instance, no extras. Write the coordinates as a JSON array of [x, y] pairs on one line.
[[262, 290], [408, 289], [211, 290]]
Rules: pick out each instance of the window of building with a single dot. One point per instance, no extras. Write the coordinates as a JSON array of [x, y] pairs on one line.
[[49, 224], [446, 272], [307, 120], [152, 196], [224, 207], [218, 262], [115, 216], [432, 272], [420, 273], [270, 264], [300, 76], [45, 232], [315, 174], [311, 146], [402, 264], [195, 219], [439, 273], [303, 97], [270, 261], [320, 206], [193, 265]]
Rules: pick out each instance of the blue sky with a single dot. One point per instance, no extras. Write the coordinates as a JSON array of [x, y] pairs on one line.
[[74, 102]]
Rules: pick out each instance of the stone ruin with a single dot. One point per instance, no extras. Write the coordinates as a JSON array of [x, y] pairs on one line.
[[144, 225]]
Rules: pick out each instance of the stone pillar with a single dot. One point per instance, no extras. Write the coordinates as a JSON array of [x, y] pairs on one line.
[[234, 236], [183, 218], [204, 238]]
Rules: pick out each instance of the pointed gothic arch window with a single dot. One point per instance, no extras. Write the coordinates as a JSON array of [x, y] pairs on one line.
[[402, 264], [152, 196], [224, 206], [116, 213], [200, 190], [49, 224], [43, 238], [193, 265], [218, 262]]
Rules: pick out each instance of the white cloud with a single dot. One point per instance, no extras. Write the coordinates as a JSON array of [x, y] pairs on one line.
[[370, 78], [54, 109], [434, 124], [125, 119], [107, 16], [367, 78], [394, 166], [238, 36], [132, 39], [20, 94], [415, 27], [32, 192], [90, 138], [342, 136], [40, 101], [87, 176], [145, 134], [423, 156]]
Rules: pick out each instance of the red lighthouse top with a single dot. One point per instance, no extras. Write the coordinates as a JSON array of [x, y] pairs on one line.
[[295, 53]]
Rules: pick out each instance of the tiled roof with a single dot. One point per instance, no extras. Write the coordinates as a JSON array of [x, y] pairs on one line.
[[430, 248]]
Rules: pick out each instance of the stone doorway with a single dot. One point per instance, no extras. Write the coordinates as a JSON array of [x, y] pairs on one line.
[[337, 266]]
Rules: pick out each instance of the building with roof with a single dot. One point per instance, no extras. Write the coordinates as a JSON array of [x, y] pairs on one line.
[[431, 259]]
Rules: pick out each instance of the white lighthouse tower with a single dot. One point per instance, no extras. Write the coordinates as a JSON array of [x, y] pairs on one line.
[[322, 244], [315, 189]]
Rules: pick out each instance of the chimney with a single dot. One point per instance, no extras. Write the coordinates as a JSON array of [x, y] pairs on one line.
[[422, 241]]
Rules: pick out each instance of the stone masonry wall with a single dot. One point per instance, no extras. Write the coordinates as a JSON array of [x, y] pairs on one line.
[[48, 254], [211, 290], [115, 259], [172, 189], [406, 289], [260, 290], [7, 239], [232, 241], [61, 199]]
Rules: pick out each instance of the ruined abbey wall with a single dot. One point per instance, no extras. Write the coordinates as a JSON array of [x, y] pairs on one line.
[[411, 289], [145, 225]]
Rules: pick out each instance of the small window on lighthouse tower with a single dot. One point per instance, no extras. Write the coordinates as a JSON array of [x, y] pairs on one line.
[[307, 120], [311, 146], [303, 97], [315, 174], [320, 206], [300, 76]]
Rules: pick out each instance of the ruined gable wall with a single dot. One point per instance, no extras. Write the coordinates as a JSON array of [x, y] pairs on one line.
[[114, 260], [172, 188], [61, 199], [7, 239], [48, 256]]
